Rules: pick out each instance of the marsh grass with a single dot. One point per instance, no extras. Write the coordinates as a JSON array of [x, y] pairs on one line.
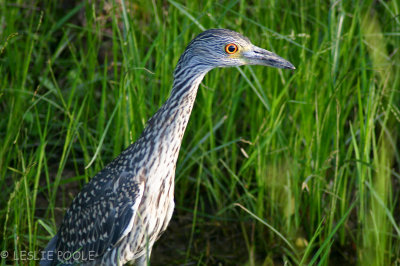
[[277, 166]]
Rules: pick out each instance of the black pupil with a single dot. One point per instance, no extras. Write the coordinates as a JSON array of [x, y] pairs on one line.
[[231, 48]]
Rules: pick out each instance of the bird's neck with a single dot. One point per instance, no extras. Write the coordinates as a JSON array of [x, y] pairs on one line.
[[164, 132], [174, 115]]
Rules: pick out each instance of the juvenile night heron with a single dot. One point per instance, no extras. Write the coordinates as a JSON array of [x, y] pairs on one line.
[[123, 210]]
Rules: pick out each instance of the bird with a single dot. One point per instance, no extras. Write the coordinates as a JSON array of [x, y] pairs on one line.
[[120, 213]]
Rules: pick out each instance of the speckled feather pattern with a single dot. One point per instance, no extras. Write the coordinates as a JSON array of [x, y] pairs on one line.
[[142, 175]]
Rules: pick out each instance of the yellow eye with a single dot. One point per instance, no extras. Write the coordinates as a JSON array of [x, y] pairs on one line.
[[231, 48]]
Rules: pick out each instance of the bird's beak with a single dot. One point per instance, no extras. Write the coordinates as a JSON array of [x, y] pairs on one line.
[[259, 56]]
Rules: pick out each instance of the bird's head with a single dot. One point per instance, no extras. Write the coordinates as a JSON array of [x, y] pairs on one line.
[[223, 48]]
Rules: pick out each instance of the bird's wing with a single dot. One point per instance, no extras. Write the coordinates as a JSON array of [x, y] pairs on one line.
[[101, 215]]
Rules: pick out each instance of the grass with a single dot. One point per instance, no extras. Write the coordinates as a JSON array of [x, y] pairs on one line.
[[276, 167]]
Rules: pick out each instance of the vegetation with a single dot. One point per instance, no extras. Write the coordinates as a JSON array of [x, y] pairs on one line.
[[276, 166]]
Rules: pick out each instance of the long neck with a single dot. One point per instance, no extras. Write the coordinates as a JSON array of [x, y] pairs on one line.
[[171, 119], [164, 132], [173, 116]]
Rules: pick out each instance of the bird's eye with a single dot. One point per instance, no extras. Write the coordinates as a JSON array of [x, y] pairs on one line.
[[231, 48]]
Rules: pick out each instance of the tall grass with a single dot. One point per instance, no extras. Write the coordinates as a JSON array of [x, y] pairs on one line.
[[276, 166]]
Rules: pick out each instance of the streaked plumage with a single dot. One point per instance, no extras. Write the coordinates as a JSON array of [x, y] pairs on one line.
[[122, 211]]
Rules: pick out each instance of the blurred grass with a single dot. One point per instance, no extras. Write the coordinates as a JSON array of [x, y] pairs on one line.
[[276, 166]]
